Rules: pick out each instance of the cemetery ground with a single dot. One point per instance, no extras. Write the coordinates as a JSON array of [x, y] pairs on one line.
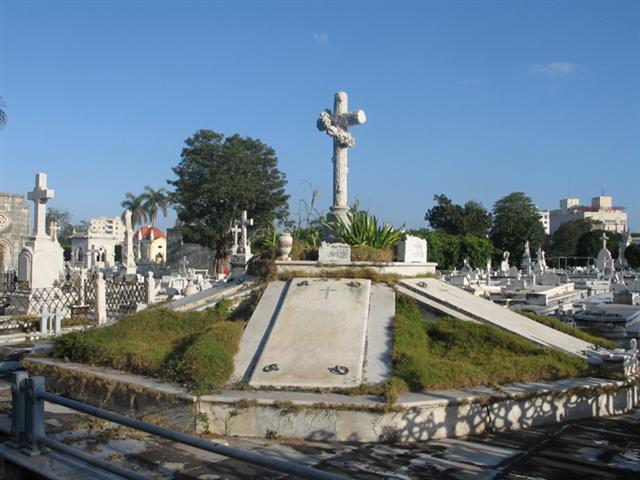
[[196, 349], [593, 448]]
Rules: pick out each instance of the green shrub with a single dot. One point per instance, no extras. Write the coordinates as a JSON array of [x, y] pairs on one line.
[[208, 362], [157, 342]]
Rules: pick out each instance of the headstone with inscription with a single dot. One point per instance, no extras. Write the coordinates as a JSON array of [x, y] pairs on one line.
[[412, 250], [334, 252]]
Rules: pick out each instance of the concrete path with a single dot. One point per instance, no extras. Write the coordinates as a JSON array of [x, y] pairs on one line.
[[456, 301]]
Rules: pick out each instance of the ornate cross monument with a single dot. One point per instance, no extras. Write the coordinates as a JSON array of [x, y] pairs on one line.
[[243, 223], [40, 196], [337, 125]]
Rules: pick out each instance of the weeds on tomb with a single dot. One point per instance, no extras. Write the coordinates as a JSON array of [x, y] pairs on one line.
[[194, 349], [451, 353], [568, 329], [365, 273]]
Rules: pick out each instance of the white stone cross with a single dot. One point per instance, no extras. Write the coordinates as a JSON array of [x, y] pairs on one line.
[[604, 241], [40, 196], [245, 222], [235, 231], [337, 125]]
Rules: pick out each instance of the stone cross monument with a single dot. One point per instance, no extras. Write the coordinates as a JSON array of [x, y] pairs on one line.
[[128, 257], [235, 231], [245, 222], [337, 125], [40, 196]]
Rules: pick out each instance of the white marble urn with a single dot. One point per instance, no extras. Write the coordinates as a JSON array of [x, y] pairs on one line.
[[285, 244]]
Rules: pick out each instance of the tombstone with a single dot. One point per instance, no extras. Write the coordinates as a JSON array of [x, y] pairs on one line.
[[41, 261], [526, 259], [513, 272], [621, 262], [622, 295], [336, 124], [334, 252], [604, 260], [128, 256], [412, 250], [504, 264], [240, 260], [550, 278]]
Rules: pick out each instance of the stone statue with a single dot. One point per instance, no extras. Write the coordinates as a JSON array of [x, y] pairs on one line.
[[128, 257], [336, 125]]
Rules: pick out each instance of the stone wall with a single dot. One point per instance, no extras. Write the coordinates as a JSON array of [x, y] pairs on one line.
[[14, 229]]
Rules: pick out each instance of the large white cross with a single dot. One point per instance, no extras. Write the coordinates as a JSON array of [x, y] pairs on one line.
[[235, 231], [40, 196], [243, 223], [337, 125]]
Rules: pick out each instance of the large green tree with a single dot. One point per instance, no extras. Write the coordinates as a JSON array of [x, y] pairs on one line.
[[516, 220], [449, 217], [220, 176], [564, 241], [632, 254], [154, 201], [590, 243], [64, 228]]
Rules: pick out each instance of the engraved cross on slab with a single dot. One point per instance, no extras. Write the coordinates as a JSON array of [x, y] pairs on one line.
[[336, 125], [327, 291]]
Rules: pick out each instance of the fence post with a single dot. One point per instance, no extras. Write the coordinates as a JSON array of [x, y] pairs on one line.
[[151, 288], [57, 329], [34, 414], [101, 299], [18, 404], [44, 321], [81, 292]]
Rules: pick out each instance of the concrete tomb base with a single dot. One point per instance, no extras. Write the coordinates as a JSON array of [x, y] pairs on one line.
[[318, 333]]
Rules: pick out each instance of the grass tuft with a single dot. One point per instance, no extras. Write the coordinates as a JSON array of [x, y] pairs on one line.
[[568, 329], [195, 349], [451, 353]]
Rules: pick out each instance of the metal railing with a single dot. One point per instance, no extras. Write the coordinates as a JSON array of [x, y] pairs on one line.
[[28, 433]]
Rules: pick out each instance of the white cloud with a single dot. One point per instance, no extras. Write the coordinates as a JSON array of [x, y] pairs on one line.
[[321, 38], [556, 69]]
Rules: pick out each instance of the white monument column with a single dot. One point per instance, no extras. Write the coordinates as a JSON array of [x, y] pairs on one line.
[[337, 125], [40, 196]]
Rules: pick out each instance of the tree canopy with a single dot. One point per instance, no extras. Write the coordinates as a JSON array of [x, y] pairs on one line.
[[449, 251], [632, 254], [220, 176], [516, 220], [590, 243], [136, 205], [449, 217], [154, 201], [564, 240]]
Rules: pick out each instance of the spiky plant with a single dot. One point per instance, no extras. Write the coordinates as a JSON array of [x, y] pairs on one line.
[[363, 229]]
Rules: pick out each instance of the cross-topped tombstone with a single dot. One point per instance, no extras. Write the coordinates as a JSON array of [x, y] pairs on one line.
[[40, 196], [243, 223], [235, 230], [337, 125], [183, 265]]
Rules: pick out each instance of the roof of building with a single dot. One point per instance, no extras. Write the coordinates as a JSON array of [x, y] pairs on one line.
[[145, 232]]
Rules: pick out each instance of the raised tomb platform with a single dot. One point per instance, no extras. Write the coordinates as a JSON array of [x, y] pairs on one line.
[[318, 333]]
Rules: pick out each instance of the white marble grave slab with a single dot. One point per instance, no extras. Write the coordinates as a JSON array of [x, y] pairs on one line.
[[488, 312], [321, 324]]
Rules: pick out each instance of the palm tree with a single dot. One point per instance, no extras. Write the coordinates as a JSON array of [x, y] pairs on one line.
[[135, 204], [154, 201], [3, 116]]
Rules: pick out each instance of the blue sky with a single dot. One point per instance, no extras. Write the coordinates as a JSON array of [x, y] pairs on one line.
[[471, 99]]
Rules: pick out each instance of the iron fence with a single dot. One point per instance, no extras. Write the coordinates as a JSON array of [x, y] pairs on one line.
[[123, 298], [28, 433]]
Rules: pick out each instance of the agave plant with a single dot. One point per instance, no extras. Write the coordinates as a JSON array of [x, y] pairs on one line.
[[363, 229]]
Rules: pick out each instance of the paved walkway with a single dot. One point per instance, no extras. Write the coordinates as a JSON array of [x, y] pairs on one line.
[[599, 448]]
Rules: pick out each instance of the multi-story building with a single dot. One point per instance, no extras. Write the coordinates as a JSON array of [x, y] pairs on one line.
[[545, 220], [613, 219]]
